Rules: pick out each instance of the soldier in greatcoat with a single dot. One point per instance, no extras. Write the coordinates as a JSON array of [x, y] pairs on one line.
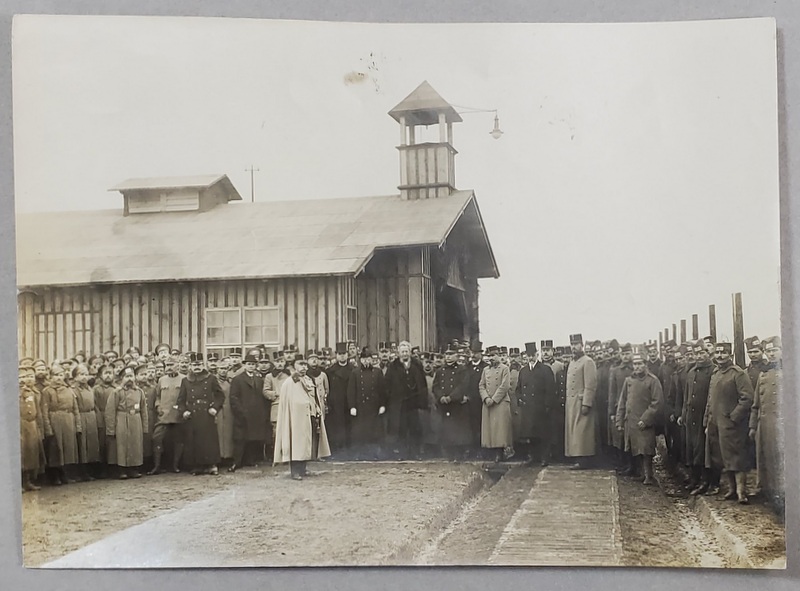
[[300, 435], [144, 383], [449, 391], [766, 427], [730, 398], [199, 401], [273, 383], [407, 395], [126, 424], [225, 414], [89, 450], [251, 416], [673, 400], [639, 409], [496, 424], [616, 378], [580, 434], [337, 419], [535, 397], [62, 424], [366, 397], [169, 424], [474, 366], [429, 417], [551, 356], [30, 429], [695, 398]]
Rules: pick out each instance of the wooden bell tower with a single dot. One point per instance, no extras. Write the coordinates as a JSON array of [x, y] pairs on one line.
[[427, 170]]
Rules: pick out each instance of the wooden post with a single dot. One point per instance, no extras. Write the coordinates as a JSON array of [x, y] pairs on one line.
[[674, 331], [683, 330], [660, 340], [712, 322], [695, 328], [666, 335], [738, 331]]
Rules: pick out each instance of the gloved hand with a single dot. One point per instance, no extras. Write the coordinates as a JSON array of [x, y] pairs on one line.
[[186, 414], [585, 409], [381, 410], [641, 425], [752, 434], [353, 411], [680, 421], [212, 412]]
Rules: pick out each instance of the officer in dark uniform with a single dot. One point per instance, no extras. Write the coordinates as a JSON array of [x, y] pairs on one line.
[[449, 391], [474, 368]]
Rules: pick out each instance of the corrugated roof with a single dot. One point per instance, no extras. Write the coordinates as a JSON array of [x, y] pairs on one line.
[[235, 241], [422, 107], [172, 182]]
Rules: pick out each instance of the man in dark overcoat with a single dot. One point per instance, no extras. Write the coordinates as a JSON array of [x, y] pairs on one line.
[[449, 391], [474, 366], [616, 378], [199, 400], [695, 398], [407, 394], [251, 414], [730, 397], [535, 398], [337, 419], [366, 397]]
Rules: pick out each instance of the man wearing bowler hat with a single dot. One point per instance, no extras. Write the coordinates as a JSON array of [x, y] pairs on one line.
[[251, 414], [580, 433], [199, 400], [472, 396], [337, 419], [535, 397]]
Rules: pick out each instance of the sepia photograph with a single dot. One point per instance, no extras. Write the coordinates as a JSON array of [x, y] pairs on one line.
[[295, 293]]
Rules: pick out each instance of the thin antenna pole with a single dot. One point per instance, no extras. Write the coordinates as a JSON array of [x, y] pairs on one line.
[[252, 182]]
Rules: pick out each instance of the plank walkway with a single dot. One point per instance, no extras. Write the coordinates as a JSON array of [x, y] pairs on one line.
[[570, 518]]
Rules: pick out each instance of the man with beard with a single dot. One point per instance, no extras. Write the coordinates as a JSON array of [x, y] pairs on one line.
[[301, 434], [638, 411], [766, 428], [316, 373], [730, 398], [581, 425], [127, 424], [366, 397], [168, 418], [272, 384], [449, 391], [695, 399], [251, 413], [536, 398], [143, 383], [337, 419], [199, 400], [162, 352], [236, 363], [102, 391], [407, 394]]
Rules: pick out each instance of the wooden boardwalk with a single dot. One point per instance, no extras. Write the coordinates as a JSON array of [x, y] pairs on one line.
[[570, 518]]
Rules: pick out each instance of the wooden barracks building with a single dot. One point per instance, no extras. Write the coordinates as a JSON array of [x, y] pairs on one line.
[[183, 263]]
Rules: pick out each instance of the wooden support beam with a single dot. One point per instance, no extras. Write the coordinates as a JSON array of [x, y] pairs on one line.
[[683, 330], [712, 322], [674, 332], [738, 331], [695, 327]]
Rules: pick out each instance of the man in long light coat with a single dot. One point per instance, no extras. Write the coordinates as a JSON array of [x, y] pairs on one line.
[[126, 424], [766, 427], [580, 433], [638, 411], [300, 433], [496, 423]]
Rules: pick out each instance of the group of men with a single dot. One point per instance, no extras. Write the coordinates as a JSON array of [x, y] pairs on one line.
[[146, 413]]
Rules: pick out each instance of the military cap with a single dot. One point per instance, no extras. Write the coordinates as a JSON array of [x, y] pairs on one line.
[[546, 344], [327, 352], [451, 349], [637, 357], [773, 343], [236, 352], [504, 350], [277, 355], [626, 348], [25, 366], [725, 347], [753, 343], [383, 346], [575, 338], [709, 339], [312, 353], [514, 351], [299, 357], [161, 347], [213, 357], [195, 357], [492, 350], [39, 363]]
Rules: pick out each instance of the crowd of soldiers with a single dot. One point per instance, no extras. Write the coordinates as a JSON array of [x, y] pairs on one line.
[[587, 404]]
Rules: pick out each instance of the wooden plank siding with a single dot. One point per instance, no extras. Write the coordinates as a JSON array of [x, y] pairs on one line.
[[115, 317]]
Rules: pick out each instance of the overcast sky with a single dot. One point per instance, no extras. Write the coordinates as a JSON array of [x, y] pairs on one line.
[[636, 182]]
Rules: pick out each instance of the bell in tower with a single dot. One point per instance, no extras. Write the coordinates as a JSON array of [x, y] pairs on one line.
[[427, 170]]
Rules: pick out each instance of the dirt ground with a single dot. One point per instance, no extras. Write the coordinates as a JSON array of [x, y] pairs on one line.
[[344, 514]]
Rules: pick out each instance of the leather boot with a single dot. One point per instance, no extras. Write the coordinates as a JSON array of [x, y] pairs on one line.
[[741, 492], [176, 458], [156, 463], [647, 464]]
